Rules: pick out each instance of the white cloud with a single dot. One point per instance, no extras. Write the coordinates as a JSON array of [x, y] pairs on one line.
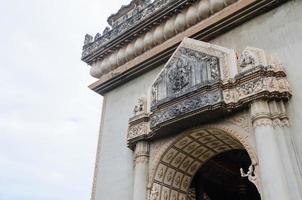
[[49, 119]]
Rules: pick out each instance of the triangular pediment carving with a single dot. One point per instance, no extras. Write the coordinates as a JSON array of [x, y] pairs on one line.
[[193, 65]]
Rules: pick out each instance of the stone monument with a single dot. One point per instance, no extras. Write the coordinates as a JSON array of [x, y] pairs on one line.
[[201, 100]]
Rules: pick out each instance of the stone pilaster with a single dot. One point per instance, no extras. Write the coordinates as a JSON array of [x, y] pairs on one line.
[[272, 172], [141, 170], [286, 148]]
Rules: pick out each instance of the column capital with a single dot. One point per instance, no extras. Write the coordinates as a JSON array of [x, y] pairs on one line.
[[269, 113], [141, 152]]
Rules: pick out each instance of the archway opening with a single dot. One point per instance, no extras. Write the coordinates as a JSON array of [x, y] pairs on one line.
[[220, 178], [196, 159]]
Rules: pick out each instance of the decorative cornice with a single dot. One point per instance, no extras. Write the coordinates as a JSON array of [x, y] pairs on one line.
[[143, 19], [205, 30], [126, 12]]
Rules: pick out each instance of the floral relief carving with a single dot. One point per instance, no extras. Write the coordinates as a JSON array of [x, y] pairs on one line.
[[138, 130], [250, 88]]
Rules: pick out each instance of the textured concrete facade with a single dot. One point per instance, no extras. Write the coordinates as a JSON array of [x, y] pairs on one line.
[[277, 31], [115, 171]]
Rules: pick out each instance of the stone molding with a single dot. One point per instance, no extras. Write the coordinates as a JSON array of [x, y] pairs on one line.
[[234, 129], [141, 152], [269, 113], [118, 68], [168, 17], [256, 79]]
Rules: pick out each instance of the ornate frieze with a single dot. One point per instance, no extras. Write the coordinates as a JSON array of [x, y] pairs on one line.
[[201, 82], [138, 130], [131, 18], [147, 24], [203, 101]]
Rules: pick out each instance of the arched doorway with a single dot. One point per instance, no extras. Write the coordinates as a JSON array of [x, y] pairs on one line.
[[220, 178], [190, 168]]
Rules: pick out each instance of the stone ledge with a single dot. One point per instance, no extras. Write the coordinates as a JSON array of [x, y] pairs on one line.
[[205, 30]]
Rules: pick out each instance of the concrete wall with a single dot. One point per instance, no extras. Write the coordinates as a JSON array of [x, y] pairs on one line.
[[278, 32], [115, 172]]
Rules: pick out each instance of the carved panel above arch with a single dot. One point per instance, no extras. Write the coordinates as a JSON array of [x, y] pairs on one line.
[[193, 65], [202, 83]]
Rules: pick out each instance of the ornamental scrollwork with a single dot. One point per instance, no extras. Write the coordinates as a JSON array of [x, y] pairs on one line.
[[137, 130], [250, 88]]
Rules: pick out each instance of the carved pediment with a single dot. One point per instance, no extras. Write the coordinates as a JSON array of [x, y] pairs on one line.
[[193, 65], [203, 82]]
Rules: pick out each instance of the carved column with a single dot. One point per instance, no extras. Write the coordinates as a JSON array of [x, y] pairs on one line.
[[141, 170], [137, 132], [272, 173]]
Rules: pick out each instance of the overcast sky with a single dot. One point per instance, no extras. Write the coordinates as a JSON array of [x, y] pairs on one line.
[[49, 119]]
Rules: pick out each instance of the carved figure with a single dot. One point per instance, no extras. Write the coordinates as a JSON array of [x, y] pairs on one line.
[[154, 193], [247, 59], [88, 39], [250, 174], [179, 75], [106, 30], [139, 108]]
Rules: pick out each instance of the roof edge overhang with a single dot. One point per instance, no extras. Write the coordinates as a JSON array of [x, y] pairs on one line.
[[207, 29]]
